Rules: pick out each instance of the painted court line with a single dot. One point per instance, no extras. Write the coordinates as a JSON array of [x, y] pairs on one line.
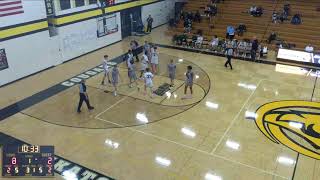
[[192, 148], [235, 118], [113, 105]]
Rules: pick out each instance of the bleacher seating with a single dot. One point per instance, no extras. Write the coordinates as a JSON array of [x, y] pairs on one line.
[[233, 12]]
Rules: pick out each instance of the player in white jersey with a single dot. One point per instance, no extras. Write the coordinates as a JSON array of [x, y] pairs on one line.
[[129, 57], [106, 70], [154, 59], [144, 64], [148, 77]]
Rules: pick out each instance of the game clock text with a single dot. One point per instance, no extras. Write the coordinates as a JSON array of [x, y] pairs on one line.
[[27, 160]]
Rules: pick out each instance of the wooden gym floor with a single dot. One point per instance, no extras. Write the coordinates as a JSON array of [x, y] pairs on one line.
[[132, 136]]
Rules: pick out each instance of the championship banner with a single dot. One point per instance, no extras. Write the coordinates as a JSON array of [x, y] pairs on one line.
[[3, 60]]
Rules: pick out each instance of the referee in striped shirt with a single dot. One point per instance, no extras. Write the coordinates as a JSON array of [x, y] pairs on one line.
[[83, 96]]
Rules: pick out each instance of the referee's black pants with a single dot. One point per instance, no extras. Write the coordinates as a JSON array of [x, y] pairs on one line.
[[228, 62], [84, 98]]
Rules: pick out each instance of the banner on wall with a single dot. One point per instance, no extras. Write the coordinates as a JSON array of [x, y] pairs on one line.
[[3, 60]]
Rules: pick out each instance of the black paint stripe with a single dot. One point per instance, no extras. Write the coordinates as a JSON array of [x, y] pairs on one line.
[[295, 166], [314, 87], [9, 140]]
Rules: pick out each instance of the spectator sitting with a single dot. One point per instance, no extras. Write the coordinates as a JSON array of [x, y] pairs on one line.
[[286, 9], [309, 48], [259, 11], [183, 15], [296, 19], [263, 50], [274, 17], [214, 43], [199, 41], [272, 37], [241, 29], [253, 10], [207, 11], [193, 41], [211, 10], [190, 15], [241, 48], [282, 17], [230, 32], [197, 17]]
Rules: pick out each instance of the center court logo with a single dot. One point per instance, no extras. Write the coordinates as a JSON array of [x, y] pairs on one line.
[[295, 124]]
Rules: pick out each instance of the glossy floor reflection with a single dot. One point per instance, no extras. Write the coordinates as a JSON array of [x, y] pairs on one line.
[[209, 137]]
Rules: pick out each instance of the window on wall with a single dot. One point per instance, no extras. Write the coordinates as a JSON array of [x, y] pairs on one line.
[[65, 4], [92, 1], [79, 3]]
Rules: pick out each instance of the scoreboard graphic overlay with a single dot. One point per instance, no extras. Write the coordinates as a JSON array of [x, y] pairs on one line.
[[27, 160]]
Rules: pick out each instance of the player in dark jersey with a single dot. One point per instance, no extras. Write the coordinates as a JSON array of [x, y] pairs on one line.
[[188, 83], [172, 71]]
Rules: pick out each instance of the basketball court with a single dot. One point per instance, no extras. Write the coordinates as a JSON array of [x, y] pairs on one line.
[[213, 136]]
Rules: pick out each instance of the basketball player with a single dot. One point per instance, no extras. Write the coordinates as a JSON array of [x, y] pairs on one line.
[[132, 74], [172, 72], [144, 63], [154, 59], [148, 77], [115, 78], [188, 83], [129, 57], [106, 70]]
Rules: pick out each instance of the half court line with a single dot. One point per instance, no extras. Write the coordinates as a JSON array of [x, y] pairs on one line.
[[113, 105]]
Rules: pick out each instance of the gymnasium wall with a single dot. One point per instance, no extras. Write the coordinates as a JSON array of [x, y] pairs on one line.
[[80, 38], [30, 49], [161, 12]]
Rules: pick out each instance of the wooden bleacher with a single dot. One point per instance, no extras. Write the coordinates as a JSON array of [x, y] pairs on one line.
[[233, 12]]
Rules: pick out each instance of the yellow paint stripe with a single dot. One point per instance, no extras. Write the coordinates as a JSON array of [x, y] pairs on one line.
[[128, 5], [23, 29], [76, 17]]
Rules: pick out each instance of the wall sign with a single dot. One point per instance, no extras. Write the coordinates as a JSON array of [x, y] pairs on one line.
[[49, 7], [3, 60]]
